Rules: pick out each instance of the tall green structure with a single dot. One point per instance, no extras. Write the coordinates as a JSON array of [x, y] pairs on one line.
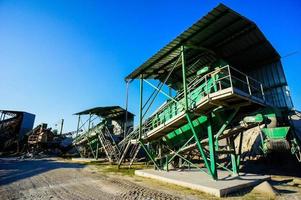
[[224, 77]]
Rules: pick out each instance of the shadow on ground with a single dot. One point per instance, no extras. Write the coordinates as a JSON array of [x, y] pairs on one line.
[[277, 164], [12, 170]]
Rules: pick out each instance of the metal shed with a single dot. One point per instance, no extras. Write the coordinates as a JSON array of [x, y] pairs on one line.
[[227, 35]]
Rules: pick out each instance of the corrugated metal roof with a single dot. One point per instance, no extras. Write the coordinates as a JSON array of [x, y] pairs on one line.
[[106, 112], [229, 35]]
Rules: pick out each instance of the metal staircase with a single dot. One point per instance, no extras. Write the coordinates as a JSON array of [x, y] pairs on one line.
[[127, 145], [108, 144], [101, 134]]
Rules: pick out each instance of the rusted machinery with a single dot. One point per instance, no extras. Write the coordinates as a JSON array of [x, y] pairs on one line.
[[44, 139], [13, 126], [40, 137]]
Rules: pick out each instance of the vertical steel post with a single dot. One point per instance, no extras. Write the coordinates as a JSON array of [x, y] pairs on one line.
[[126, 109], [239, 150], [96, 157], [211, 148], [187, 112], [230, 77], [78, 122], [166, 162], [262, 92], [233, 157], [62, 125], [184, 78], [141, 105]]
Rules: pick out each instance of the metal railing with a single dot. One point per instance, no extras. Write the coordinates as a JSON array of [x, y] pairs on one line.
[[199, 89]]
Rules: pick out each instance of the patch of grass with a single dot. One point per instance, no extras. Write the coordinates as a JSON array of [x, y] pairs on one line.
[[113, 169], [107, 168]]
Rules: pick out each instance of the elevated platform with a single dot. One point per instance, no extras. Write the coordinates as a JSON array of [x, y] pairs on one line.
[[229, 96], [200, 181]]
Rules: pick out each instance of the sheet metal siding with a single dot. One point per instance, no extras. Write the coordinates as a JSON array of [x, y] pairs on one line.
[[274, 82], [27, 124]]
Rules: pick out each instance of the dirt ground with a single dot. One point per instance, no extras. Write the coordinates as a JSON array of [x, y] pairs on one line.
[[61, 179]]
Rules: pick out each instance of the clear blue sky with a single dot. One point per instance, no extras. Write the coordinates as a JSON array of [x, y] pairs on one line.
[[60, 57]]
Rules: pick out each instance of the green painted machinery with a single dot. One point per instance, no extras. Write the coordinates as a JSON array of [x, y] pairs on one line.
[[275, 139]]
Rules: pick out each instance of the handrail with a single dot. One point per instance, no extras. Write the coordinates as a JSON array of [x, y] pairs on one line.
[[226, 75]]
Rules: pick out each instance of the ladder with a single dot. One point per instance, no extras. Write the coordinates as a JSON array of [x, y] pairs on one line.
[[129, 143], [107, 142]]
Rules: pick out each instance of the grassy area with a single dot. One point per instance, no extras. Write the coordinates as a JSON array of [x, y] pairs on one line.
[[113, 169]]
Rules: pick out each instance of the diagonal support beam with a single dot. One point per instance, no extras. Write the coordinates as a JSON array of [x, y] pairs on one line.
[[199, 145], [178, 151], [149, 154], [160, 91], [224, 126]]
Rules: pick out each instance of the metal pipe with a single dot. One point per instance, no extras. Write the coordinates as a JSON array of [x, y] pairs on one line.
[[62, 125], [78, 121], [126, 108], [261, 87], [184, 77], [230, 78], [199, 145], [141, 105], [160, 87], [159, 90], [248, 83]]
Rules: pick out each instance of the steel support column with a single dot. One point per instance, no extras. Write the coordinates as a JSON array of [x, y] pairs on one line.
[[233, 157], [141, 107], [78, 124], [149, 154], [199, 145], [184, 78], [97, 147], [126, 109], [211, 148]]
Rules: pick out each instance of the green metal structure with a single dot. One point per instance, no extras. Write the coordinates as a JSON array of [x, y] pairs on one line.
[[100, 140], [212, 97]]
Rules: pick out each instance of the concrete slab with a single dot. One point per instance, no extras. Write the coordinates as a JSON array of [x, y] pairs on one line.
[[194, 179]]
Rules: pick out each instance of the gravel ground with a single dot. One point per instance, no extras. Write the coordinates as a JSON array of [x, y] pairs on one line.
[[56, 179], [49, 179]]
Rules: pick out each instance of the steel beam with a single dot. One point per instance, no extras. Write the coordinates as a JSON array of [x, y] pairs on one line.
[[141, 109], [211, 148]]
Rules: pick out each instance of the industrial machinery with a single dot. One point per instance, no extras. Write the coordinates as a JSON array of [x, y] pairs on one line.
[[224, 78], [282, 139], [112, 124], [13, 126], [39, 138], [44, 139]]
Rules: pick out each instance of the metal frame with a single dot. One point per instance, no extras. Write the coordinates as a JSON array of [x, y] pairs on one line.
[[101, 133], [209, 156]]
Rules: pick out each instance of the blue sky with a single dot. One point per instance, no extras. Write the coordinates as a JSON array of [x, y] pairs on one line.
[[60, 57]]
